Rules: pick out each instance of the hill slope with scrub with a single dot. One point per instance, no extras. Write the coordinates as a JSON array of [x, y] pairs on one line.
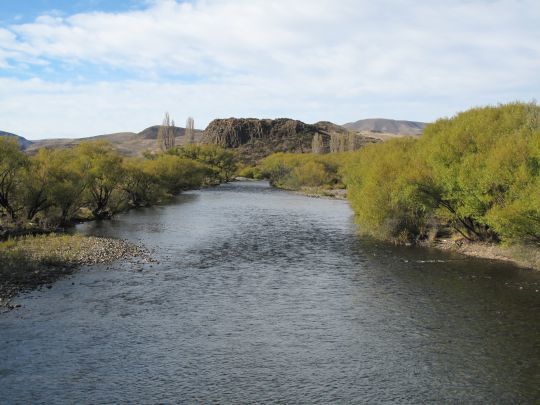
[[127, 143]]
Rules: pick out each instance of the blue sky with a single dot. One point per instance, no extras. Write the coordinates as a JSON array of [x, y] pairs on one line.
[[87, 67], [24, 11]]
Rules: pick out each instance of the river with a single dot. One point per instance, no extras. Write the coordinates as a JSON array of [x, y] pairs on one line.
[[261, 295]]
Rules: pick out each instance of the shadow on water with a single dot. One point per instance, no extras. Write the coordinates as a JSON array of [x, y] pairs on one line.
[[264, 295]]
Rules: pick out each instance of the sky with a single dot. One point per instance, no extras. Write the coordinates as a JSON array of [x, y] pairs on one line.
[[87, 67]]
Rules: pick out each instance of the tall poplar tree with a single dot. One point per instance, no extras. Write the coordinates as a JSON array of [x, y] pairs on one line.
[[166, 133]]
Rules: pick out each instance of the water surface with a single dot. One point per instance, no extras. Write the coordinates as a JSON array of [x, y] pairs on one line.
[[263, 295]]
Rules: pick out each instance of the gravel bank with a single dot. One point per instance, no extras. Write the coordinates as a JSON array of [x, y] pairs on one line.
[[30, 262], [522, 256]]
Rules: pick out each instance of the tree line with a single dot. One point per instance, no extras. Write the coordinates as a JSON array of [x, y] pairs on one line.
[[92, 180], [476, 175]]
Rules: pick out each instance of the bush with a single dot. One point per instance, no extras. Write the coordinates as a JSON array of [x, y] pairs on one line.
[[222, 162], [384, 188], [478, 173], [296, 171], [250, 172], [93, 180]]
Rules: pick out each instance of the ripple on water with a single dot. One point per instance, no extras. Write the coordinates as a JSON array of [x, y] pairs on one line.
[[266, 296]]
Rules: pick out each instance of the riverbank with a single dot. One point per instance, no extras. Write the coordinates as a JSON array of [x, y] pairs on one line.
[[321, 192], [522, 256], [29, 262], [316, 192]]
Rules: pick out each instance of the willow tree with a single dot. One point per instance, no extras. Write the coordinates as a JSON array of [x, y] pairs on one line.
[[37, 178], [104, 174], [166, 133], [190, 130], [12, 163]]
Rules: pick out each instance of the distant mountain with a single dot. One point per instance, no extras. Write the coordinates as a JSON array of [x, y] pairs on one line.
[[330, 127], [127, 143], [382, 125], [25, 143]]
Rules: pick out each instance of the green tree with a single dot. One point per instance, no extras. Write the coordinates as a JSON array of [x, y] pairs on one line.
[[176, 174], [295, 171], [67, 184], [383, 183], [480, 159], [36, 180], [477, 173], [221, 161], [104, 174], [12, 163], [142, 182]]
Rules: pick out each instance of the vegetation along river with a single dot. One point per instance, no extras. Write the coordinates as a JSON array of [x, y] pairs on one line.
[[264, 295]]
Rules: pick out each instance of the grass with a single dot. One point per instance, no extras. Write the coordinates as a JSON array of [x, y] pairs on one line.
[[30, 261], [30, 251]]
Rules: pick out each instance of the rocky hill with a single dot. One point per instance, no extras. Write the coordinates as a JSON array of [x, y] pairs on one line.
[[386, 126], [23, 142], [257, 138]]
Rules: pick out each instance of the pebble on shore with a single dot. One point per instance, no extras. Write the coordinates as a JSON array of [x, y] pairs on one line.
[[46, 260]]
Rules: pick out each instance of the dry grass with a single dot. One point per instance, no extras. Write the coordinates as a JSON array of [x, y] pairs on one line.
[[46, 249]]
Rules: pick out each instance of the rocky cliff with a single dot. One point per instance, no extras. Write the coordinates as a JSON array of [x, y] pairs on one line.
[[257, 138]]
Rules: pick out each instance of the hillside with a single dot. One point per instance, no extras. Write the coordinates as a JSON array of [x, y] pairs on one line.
[[387, 126], [258, 138], [23, 142], [255, 138], [152, 132], [127, 143]]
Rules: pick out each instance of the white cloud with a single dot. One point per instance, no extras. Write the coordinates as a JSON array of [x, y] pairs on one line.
[[319, 59]]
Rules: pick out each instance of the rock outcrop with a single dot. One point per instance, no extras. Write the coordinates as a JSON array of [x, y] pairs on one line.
[[257, 138]]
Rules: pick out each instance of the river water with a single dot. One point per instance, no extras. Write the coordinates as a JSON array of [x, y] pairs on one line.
[[261, 295]]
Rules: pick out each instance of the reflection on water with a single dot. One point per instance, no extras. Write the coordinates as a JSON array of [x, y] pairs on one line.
[[262, 295]]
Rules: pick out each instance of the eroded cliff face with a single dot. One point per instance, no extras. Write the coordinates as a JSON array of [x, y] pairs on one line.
[[235, 132], [258, 138]]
